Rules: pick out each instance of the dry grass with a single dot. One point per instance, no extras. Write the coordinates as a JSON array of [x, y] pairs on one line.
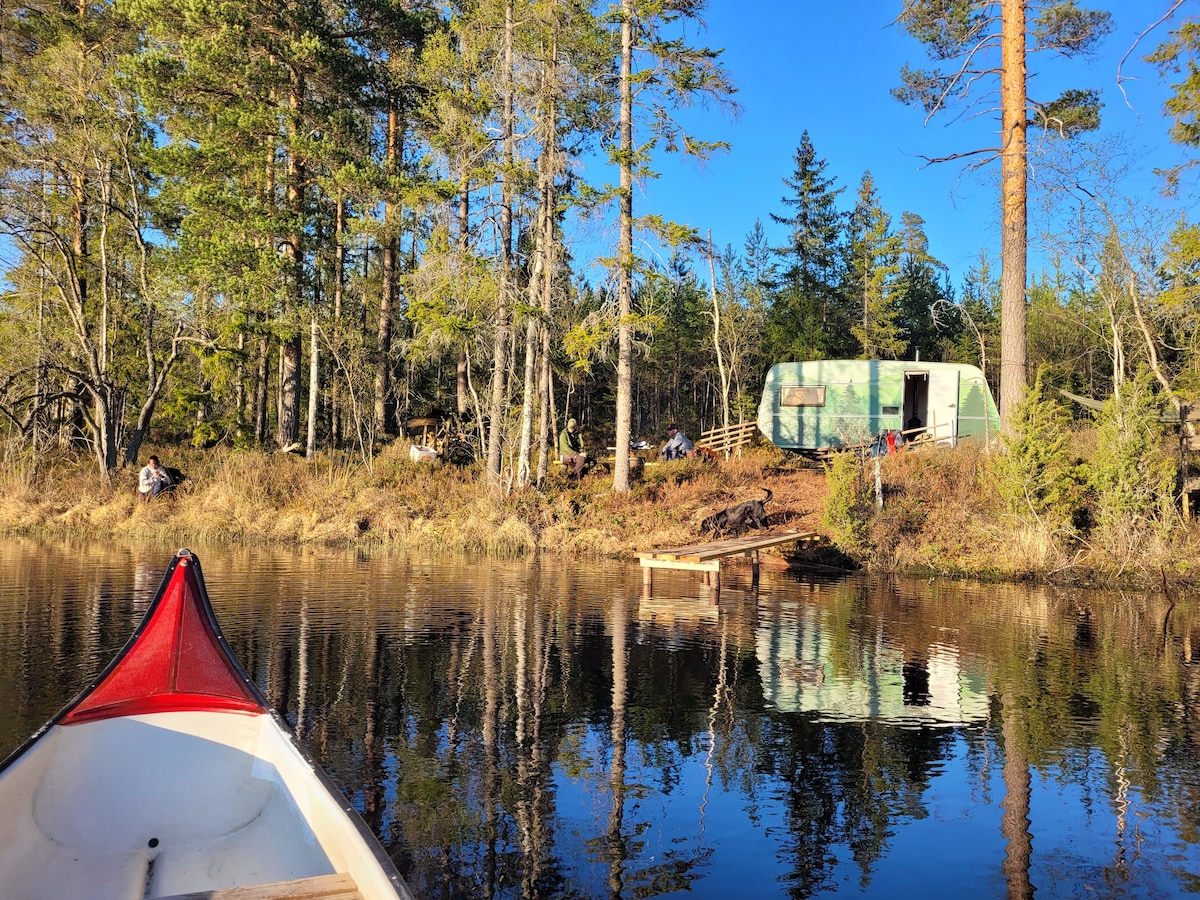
[[941, 513], [254, 497]]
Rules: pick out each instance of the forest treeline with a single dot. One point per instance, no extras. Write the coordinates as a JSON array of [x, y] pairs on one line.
[[292, 224]]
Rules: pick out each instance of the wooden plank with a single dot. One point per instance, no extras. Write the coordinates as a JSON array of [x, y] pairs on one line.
[[684, 564], [339, 886], [728, 547]]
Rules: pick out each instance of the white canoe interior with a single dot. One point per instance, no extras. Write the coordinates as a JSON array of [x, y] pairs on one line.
[[177, 803]]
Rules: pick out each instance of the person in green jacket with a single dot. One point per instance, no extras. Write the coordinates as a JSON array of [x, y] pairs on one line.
[[570, 448]]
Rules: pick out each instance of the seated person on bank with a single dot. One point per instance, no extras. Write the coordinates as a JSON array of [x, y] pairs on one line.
[[570, 448], [153, 480], [677, 445]]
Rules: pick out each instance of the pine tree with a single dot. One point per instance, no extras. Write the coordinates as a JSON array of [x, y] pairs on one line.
[[246, 97], [977, 42], [1179, 55], [76, 200], [658, 71]]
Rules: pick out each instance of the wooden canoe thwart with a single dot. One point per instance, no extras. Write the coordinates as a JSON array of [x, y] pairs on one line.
[[171, 777]]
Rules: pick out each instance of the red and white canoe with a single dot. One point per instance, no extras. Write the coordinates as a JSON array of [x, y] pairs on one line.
[[171, 777]]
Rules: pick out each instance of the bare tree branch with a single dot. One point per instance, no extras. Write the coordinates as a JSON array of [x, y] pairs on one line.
[[1121, 78]]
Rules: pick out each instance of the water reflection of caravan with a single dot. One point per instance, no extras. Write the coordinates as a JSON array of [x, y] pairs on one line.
[[802, 671], [822, 405]]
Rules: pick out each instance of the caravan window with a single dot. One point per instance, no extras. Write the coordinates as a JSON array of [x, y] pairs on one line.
[[798, 395]]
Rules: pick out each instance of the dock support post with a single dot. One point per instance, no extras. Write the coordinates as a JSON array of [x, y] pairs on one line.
[[647, 580], [710, 583]]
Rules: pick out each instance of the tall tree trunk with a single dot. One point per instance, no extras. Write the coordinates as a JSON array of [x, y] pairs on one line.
[[260, 391], [384, 404], [461, 372], [625, 255], [547, 414], [1014, 226], [290, 353], [314, 383], [525, 456], [239, 388], [336, 425], [724, 374], [501, 335], [542, 275], [291, 349]]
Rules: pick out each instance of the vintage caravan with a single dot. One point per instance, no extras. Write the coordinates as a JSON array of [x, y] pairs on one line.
[[822, 405]]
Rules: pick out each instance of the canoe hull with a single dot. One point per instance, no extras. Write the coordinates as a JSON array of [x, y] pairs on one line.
[[155, 804]]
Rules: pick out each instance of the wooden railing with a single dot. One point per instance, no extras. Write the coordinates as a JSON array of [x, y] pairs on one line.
[[725, 441], [941, 434]]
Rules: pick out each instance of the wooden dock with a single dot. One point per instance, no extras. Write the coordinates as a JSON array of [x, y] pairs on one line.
[[706, 558]]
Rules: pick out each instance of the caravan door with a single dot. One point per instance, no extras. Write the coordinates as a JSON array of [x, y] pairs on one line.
[[943, 405]]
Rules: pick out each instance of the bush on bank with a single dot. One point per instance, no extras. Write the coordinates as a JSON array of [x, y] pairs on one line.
[[1096, 502]]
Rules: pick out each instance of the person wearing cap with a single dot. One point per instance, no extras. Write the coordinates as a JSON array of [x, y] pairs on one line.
[[677, 445], [570, 448]]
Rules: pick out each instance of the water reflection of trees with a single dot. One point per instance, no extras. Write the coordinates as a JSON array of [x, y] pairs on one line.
[[515, 736]]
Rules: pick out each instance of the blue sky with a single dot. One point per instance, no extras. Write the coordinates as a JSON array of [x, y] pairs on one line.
[[828, 67]]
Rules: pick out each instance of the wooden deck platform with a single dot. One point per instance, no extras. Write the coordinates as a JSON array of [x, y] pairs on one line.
[[707, 557]]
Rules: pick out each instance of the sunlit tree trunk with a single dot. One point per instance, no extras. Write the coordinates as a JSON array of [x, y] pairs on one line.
[[461, 371], [336, 425], [384, 407], [260, 391], [501, 335], [291, 349], [625, 256], [314, 383], [1014, 199], [716, 313]]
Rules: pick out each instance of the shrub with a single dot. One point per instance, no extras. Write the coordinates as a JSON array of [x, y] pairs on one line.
[[848, 508], [1132, 474], [1036, 474]]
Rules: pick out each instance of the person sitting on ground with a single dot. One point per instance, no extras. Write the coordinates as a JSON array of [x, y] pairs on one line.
[[152, 480], [570, 448], [677, 446]]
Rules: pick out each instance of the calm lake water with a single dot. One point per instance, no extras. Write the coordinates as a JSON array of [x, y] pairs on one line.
[[541, 729]]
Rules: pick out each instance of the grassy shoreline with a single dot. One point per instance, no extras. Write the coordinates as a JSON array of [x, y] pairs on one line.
[[240, 497], [941, 516]]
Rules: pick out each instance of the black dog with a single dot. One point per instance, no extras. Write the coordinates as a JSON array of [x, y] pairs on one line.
[[749, 513]]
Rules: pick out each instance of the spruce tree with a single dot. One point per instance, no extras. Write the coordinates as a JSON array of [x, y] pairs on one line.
[[807, 319], [872, 263], [919, 292]]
